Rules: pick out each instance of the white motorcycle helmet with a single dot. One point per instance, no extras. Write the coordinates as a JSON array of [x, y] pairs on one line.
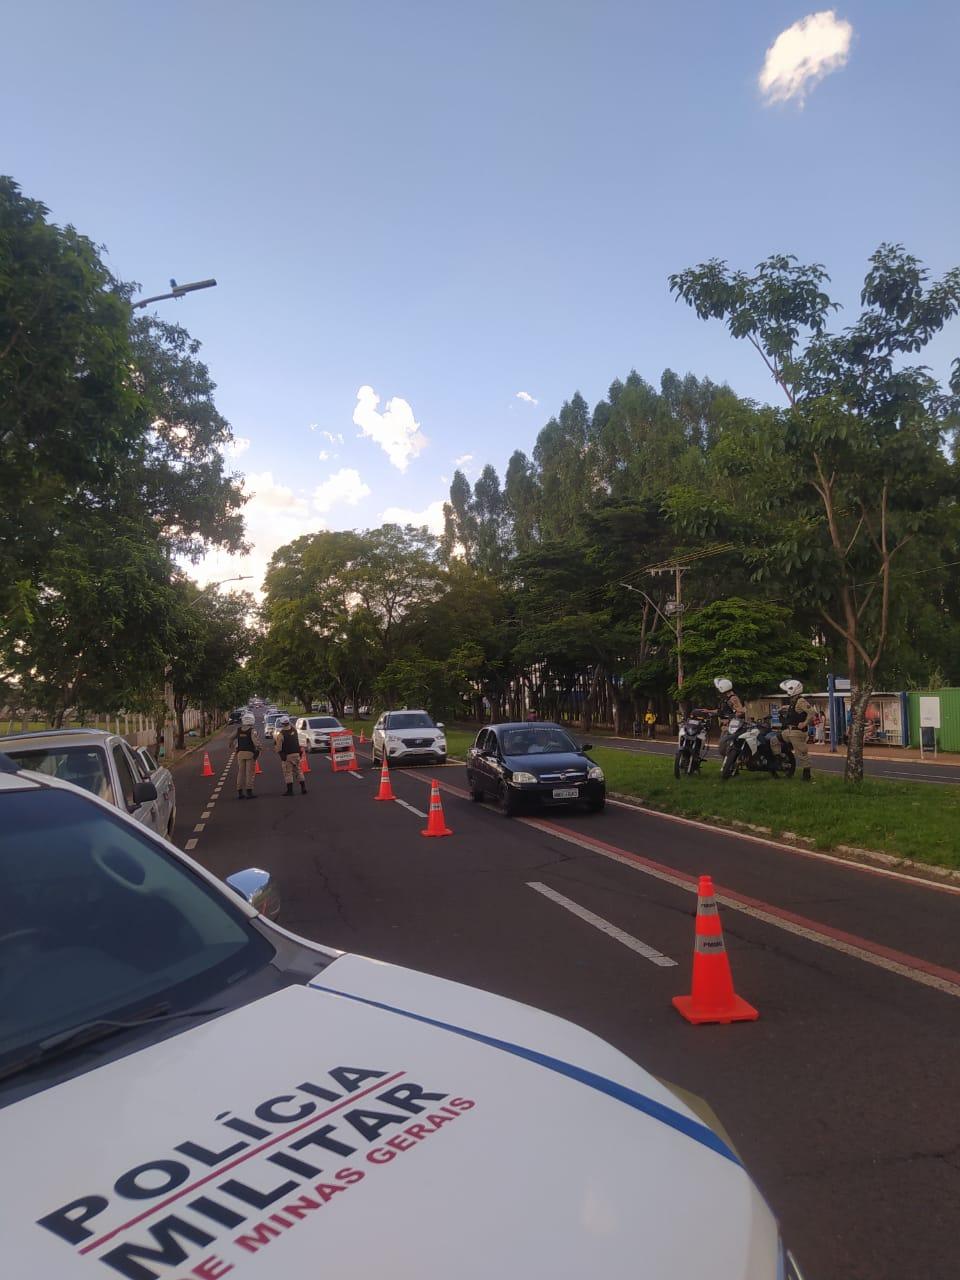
[[723, 685], [792, 688], [283, 722], [248, 720]]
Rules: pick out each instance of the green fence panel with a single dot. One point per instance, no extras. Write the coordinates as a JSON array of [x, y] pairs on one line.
[[948, 735]]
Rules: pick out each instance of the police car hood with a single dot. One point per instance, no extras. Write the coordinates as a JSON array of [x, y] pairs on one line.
[[375, 1122]]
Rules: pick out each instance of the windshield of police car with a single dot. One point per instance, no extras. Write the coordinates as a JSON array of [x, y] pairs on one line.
[[95, 919]]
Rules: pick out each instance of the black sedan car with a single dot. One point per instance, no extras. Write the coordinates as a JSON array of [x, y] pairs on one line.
[[533, 764]]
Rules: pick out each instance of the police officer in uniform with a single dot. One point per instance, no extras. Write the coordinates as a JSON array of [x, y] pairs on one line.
[[287, 746], [246, 742], [730, 706], [796, 720]]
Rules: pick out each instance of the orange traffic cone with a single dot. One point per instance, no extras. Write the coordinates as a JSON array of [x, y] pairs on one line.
[[712, 998], [362, 738], [386, 790], [256, 767], [305, 762], [436, 826], [207, 766]]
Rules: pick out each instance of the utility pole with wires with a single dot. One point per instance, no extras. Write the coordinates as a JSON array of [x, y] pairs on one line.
[[674, 608]]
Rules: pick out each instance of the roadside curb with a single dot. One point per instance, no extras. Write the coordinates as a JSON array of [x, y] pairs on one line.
[[842, 852], [191, 751]]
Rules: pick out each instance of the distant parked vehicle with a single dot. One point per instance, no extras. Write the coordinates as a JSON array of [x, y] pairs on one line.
[[105, 765]]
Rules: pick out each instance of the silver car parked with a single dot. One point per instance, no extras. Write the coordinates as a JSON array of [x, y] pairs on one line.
[[104, 764]]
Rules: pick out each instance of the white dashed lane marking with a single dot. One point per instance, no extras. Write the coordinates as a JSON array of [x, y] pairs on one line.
[[191, 844], [403, 804], [598, 922]]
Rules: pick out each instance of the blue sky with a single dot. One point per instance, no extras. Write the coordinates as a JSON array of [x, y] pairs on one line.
[[451, 203]]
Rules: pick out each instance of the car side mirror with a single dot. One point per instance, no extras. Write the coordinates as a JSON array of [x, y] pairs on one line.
[[439, 724], [586, 746], [144, 792], [257, 888]]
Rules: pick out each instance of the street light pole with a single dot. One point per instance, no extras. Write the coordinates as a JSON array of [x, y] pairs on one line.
[[177, 291]]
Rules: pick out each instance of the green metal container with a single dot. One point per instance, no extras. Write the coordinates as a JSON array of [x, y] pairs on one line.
[[948, 735]]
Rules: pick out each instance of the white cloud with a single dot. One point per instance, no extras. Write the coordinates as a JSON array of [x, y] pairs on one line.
[[238, 445], [343, 488], [802, 55], [431, 516], [335, 437], [395, 430], [526, 397], [463, 460], [273, 516], [323, 455], [314, 425]]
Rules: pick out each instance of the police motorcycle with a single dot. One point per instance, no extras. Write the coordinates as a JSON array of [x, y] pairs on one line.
[[691, 743], [744, 748]]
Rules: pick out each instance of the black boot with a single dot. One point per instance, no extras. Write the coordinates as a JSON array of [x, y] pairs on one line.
[[239, 795], [806, 776], [250, 795], [303, 788], [289, 790]]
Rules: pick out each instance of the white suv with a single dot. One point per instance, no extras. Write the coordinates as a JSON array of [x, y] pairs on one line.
[[408, 736]]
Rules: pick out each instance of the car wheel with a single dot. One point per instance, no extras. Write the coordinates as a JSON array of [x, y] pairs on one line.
[[507, 801], [171, 824], [476, 792]]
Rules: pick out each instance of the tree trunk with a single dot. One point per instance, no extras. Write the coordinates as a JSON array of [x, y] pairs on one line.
[[860, 697], [179, 707]]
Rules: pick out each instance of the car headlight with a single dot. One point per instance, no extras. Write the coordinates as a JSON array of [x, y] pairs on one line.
[[520, 776], [595, 774]]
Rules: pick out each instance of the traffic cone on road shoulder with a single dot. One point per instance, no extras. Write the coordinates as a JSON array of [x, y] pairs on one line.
[[207, 766], [712, 997], [436, 825], [305, 762], [362, 738], [386, 789]]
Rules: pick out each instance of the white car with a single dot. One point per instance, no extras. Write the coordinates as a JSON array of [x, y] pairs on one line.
[[104, 764], [186, 1087], [408, 737], [314, 731]]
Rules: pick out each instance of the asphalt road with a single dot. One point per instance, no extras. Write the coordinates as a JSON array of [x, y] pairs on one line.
[[841, 1099], [896, 770]]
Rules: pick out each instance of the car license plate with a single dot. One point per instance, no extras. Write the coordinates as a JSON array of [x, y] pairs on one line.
[[565, 793]]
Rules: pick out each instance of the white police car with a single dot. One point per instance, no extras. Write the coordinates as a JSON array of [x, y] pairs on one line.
[[187, 1090]]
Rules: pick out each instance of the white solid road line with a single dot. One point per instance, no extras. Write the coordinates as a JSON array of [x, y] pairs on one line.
[[418, 812], [598, 922]]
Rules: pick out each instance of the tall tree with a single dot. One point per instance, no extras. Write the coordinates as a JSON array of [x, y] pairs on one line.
[[864, 429]]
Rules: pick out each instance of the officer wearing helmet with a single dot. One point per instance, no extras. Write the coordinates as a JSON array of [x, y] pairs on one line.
[[287, 746], [246, 742], [730, 706], [796, 721]]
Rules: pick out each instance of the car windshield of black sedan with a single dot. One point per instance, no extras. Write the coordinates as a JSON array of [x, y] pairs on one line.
[[410, 720], [95, 919], [536, 741]]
